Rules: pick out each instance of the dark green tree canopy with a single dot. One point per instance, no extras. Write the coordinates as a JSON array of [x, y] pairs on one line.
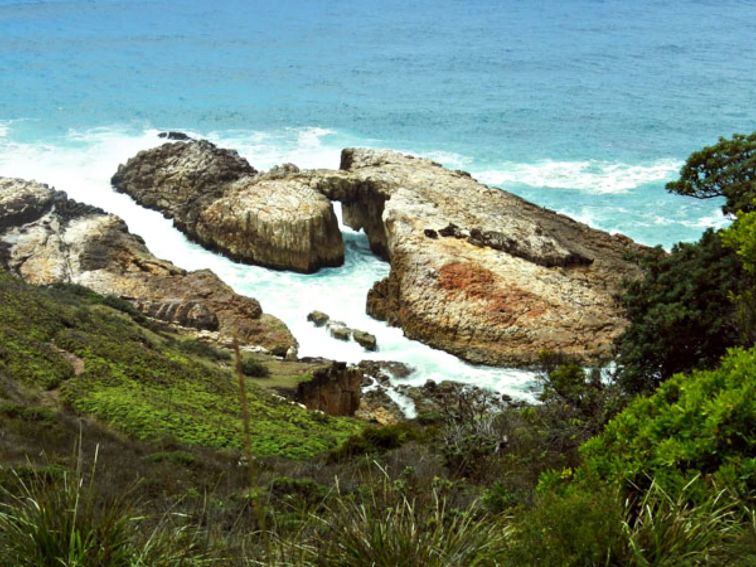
[[726, 169], [682, 314]]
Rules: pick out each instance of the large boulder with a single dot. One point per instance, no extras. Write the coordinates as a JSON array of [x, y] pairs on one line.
[[47, 238], [278, 224], [477, 271], [509, 281], [218, 199]]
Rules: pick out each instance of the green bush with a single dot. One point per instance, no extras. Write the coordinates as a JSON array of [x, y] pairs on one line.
[[375, 440], [203, 350], [697, 423], [682, 314], [578, 529], [254, 369], [27, 413]]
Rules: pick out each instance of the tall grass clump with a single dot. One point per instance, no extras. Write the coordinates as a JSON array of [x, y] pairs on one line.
[[383, 526], [668, 529], [64, 522]]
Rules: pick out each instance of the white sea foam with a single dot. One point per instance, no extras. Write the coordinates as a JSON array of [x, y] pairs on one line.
[[590, 175], [83, 163]]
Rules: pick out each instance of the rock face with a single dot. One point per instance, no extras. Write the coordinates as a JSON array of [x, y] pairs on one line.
[[508, 281], [334, 390], [218, 199], [477, 271], [47, 238]]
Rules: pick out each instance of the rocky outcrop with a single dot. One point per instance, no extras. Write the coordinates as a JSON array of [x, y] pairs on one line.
[[280, 224], [218, 199], [334, 390], [47, 238], [477, 271]]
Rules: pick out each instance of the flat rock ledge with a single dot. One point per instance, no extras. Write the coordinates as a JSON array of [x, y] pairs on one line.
[[476, 271], [219, 200], [47, 238]]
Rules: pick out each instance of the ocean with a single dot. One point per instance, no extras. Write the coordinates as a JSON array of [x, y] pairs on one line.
[[584, 106]]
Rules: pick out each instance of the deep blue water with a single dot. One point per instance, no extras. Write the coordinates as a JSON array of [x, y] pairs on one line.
[[494, 83]]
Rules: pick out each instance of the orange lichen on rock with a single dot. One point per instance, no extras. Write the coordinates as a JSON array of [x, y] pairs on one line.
[[471, 279], [503, 302]]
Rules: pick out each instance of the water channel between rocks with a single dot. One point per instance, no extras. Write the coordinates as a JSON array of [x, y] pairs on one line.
[[84, 171]]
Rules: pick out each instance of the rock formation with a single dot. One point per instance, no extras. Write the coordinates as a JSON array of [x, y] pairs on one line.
[[475, 271], [339, 330], [47, 238], [218, 199], [334, 390]]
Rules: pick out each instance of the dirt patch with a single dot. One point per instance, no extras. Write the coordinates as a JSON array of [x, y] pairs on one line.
[[76, 363]]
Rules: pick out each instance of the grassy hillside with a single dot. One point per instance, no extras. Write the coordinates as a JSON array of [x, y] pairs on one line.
[[67, 348]]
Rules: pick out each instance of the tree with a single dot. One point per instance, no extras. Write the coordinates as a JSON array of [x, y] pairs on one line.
[[683, 313], [726, 169]]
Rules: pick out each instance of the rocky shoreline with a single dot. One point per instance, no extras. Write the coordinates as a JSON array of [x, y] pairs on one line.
[[47, 238], [475, 271]]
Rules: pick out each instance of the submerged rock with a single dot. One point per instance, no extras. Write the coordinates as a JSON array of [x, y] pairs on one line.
[[47, 238], [173, 135], [339, 330], [218, 199]]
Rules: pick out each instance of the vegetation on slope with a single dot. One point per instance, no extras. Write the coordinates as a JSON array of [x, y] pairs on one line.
[[104, 360], [655, 467]]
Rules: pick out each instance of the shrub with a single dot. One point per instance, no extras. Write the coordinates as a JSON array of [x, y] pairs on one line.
[[667, 529], [64, 523], [375, 440], [697, 423], [203, 350], [577, 529], [682, 314], [254, 369], [385, 528]]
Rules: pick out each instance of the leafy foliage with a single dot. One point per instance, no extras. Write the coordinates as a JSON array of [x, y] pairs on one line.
[[682, 313], [726, 169], [141, 380], [253, 368], [693, 424], [741, 236]]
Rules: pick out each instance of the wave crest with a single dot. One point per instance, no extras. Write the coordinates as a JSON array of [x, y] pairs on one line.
[[590, 175]]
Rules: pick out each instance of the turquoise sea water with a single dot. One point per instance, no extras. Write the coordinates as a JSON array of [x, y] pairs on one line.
[[584, 106]]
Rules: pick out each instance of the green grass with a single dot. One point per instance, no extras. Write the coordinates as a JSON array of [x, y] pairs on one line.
[[143, 380]]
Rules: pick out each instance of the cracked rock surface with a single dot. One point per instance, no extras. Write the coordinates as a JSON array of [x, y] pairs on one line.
[[216, 198]]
